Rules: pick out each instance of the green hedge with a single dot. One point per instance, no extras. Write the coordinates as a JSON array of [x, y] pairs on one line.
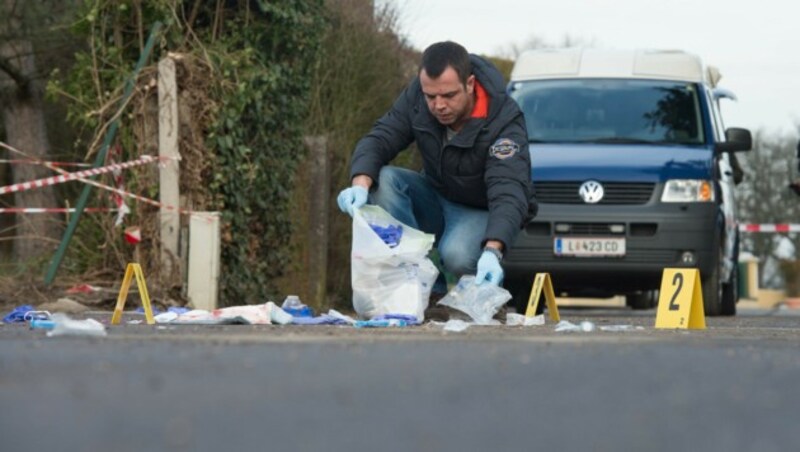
[[258, 56]]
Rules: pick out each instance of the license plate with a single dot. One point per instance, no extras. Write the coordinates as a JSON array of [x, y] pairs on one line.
[[589, 246]]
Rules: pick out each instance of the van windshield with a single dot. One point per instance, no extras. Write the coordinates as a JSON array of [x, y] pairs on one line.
[[610, 111]]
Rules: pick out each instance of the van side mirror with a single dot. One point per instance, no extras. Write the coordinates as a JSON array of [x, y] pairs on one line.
[[736, 139]]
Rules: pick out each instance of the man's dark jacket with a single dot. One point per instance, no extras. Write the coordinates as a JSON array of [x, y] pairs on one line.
[[466, 170]]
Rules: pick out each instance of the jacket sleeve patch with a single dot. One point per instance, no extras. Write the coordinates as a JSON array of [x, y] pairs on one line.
[[503, 148]]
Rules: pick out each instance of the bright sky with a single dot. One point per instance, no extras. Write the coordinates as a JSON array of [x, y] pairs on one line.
[[755, 44]]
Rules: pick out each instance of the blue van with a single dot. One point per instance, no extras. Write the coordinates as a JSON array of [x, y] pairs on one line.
[[634, 172]]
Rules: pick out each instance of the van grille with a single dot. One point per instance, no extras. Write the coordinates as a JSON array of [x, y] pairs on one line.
[[615, 192], [589, 229]]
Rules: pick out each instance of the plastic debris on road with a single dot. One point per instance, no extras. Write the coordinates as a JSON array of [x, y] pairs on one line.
[[379, 323], [245, 315], [17, 315], [480, 302], [295, 307], [30, 316], [258, 314], [174, 309], [587, 326], [278, 315], [408, 318], [566, 325], [333, 317], [165, 317], [42, 324], [513, 319], [387, 320], [618, 328], [456, 326], [264, 314], [65, 326]]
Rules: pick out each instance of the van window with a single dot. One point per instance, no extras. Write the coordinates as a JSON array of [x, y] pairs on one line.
[[610, 110]]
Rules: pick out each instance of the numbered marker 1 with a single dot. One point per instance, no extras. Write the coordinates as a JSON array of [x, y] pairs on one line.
[[542, 282], [680, 302], [132, 270]]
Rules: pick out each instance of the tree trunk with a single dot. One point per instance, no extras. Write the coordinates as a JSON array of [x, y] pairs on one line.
[[24, 122]]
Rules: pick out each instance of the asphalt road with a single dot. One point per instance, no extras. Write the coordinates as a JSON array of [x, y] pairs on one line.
[[731, 387]]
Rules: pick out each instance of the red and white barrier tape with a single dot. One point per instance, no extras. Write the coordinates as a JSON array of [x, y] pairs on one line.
[[41, 162], [784, 227], [115, 153], [122, 192], [48, 181], [53, 209]]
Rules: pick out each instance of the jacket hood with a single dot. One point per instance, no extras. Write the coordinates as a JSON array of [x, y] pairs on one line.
[[489, 76], [492, 81]]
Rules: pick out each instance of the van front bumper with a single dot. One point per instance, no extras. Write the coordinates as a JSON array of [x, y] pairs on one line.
[[656, 237]]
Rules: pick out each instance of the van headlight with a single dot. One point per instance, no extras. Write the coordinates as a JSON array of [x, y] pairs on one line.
[[688, 190]]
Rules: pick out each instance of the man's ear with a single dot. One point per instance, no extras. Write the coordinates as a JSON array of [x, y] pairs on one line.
[[470, 84]]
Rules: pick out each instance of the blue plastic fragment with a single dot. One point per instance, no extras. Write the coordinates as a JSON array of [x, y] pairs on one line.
[[18, 314], [305, 311], [380, 323], [324, 319], [390, 235], [42, 324], [408, 318]]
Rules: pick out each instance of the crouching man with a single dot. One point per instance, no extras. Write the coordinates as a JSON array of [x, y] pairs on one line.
[[474, 192]]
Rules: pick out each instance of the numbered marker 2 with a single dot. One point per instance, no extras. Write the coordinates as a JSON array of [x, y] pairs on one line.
[[680, 303]]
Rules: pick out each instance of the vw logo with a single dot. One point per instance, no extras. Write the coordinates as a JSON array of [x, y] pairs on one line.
[[591, 192]]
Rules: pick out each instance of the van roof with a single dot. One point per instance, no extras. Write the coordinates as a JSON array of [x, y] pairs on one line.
[[596, 63]]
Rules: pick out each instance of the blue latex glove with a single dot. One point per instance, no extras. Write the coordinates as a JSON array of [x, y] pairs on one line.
[[352, 198], [489, 270]]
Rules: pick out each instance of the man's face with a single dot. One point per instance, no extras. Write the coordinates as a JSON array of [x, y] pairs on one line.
[[448, 99]]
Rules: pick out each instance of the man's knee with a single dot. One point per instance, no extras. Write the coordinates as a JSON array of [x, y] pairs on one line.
[[391, 182], [392, 177]]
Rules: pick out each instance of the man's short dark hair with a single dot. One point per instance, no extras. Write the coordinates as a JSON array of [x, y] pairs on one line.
[[438, 56]]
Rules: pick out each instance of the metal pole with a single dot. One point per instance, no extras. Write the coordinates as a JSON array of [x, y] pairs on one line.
[[101, 157]]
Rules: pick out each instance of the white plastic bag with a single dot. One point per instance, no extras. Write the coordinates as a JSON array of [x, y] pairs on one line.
[[65, 326], [390, 280], [479, 302]]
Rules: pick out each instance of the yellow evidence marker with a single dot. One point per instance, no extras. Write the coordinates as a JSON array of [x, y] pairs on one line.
[[680, 303], [542, 281], [130, 271]]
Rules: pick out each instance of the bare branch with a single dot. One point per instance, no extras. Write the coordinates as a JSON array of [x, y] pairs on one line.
[[21, 80]]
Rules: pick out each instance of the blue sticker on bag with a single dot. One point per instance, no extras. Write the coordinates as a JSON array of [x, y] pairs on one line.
[[504, 148]]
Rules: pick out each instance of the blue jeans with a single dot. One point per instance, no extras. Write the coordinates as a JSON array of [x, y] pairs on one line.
[[459, 229]]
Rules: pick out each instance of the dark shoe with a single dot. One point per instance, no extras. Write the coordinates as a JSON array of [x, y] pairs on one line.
[[502, 313], [436, 313]]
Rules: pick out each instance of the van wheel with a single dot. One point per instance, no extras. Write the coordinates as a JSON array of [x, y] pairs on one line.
[[646, 299], [712, 293], [730, 293], [712, 289]]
